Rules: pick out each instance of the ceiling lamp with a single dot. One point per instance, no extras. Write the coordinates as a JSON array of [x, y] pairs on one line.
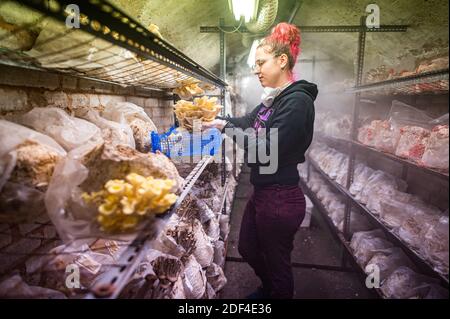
[[247, 9]]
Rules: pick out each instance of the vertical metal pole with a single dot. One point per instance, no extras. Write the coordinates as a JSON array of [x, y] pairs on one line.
[[176, 98], [222, 98], [313, 77], [405, 174], [308, 172], [355, 118], [223, 57]]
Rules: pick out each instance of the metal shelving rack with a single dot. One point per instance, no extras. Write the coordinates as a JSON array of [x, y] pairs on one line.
[[112, 284], [433, 82], [373, 151], [422, 264], [426, 83], [338, 235], [151, 64]]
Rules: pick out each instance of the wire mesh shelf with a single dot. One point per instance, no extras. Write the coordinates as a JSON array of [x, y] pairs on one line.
[[34, 251], [433, 82], [337, 234], [423, 264], [345, 144], [109, 46]]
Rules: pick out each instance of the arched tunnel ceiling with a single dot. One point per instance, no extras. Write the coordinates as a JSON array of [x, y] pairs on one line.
[[180, 21]]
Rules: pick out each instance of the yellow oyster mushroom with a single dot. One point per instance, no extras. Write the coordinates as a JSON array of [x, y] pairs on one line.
[[111, 199], [129, 222], [129, 190], [115, 186], [170, 199], [106, 221], [135, 179], [87, 197], [107, 209], [92, 196], [128, 205], [142, 211]]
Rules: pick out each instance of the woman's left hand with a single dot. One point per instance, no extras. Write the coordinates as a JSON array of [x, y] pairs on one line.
[[218, 124]]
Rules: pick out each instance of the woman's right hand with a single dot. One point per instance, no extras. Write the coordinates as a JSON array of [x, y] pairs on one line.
[[218, 124]]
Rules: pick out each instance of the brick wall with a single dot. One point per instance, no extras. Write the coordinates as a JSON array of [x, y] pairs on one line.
[[21, 100], [160, 111]]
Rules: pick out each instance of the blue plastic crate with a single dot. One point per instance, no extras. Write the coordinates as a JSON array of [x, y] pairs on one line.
[[177, 143]]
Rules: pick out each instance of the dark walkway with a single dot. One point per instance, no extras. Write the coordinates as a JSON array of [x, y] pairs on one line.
[[313, 245]]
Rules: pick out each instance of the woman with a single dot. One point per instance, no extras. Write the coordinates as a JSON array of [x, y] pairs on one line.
[[277, 206]]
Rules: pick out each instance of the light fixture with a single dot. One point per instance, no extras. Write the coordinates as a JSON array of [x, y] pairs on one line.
[[244, 8], [251, 56]]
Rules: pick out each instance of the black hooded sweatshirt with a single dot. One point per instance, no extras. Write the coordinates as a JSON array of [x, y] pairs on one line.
[[293, 116]]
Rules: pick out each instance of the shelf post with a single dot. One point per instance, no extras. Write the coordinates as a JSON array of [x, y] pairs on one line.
[[355, 119]]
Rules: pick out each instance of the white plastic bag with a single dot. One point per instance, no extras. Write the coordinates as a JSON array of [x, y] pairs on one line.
[[216, 277], [27, 162], [436, 242], [69, 131], [358, 223], [388, 203], [204, 212], [16, 201], [415, 225], [117, 133], [224, 223], [51, 268], [136, 118], [357, 237], [380, 183], [39, 155], [403, 283], [436, 292], [387, 137], [412, 143], [368, 133], [168, 271], [436, 153], [194, 279], [212, 229], [396, 208], [414, 130], [362, 175], [15, 287], [388, 260], [367, 248], [204, 250], [219, 253], [87, 169], [341, 177]]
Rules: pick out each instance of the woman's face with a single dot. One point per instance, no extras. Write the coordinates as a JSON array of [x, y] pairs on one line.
[[268, 68]]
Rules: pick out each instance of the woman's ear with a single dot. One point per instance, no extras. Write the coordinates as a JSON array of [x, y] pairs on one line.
[[284, 61]]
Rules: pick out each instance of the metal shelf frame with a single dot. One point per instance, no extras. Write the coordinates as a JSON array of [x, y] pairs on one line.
[[157, 63], [425, 266], [436, 81], [352, 146], [115, 280], [339, 236], [339, 143]]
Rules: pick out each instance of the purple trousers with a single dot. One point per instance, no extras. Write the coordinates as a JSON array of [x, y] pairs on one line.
[[272, 217]]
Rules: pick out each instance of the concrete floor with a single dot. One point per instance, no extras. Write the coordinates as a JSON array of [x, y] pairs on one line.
[[313, 245]]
